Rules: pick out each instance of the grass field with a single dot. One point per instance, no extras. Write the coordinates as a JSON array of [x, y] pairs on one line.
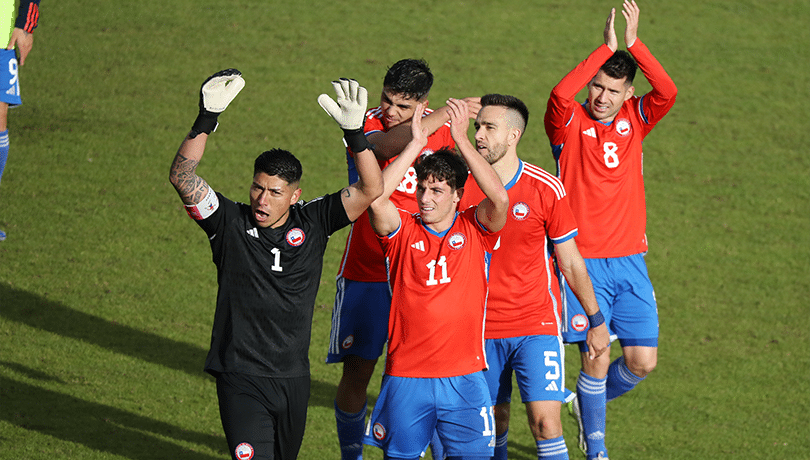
[[107, 289]]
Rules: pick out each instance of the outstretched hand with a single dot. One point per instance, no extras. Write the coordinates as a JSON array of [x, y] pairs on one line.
[[216, 93], [459, 118], [349, 110], [419, 135], [630, 11], [220, 89], [610, 31]]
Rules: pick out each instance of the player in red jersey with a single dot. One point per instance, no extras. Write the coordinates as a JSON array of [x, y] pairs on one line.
[[598, 147], [522, 325], [438, 261], [362, 302]]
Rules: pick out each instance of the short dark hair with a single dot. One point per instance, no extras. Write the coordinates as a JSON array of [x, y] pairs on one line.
[[510, 102], [620, 65], [281, 163], [409, 77], [442, 165]]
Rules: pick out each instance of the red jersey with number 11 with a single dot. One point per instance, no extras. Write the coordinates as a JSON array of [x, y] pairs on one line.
[[439, 290]]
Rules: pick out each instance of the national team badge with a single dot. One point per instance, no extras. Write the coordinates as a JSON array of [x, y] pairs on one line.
[[244, 451], [520, 211], [379, 431], [456, 241], [623, 127], [295, 237], [579, 323], [348, 342]]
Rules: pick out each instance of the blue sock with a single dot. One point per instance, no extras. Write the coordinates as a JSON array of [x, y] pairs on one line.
[[552, 449], [3, 151], [500, 445], [592, 400], [350, 429], [436, 447], [620, 380]]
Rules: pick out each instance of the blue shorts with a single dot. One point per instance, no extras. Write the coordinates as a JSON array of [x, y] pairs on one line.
[[9, 78], [537, 361], [626, 298], [409, 410], [359, 320]]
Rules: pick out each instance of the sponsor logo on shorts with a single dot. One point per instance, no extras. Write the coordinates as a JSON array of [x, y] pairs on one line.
[[348, 342], [379, 432], [520, 211], [295, 237], [457, 241], [579, 323], [244, 451], [623, 127]]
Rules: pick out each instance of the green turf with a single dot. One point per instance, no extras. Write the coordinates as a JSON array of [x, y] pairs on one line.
[[107, 289]]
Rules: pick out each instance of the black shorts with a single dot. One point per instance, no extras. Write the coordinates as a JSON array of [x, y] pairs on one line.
[[263, 417]]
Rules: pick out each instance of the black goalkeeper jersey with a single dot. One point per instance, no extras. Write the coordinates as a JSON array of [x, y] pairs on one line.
[[268, 279]]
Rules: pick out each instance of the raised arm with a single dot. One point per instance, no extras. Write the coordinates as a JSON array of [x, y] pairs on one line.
[[492, 210], [572, 266], [349, 113], [382, 212], [657, 102], [390, 143], [215, 94]]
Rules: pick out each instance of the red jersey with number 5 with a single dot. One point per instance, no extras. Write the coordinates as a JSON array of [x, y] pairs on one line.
[[601, 164], [439, 289]]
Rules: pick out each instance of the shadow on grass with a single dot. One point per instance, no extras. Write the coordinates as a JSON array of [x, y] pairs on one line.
[[323, 394], [39, 313], [96, 426]]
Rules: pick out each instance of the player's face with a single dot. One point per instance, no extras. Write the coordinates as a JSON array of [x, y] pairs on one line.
[[437, 202], [606, 96], [492, 133], [270, 199], [396, 108]]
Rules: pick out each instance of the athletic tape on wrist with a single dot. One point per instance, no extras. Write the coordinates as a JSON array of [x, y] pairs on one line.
[[596, 320]]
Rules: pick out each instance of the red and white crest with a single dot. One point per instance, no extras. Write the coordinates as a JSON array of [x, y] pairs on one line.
[[244, 451], [579, 323], [295, 237], [379, 431], [347, 342], [456, 241], [623, 127], [520, 211]]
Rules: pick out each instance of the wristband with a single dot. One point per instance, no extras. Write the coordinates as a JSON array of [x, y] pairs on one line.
[[356, 140], [206, 122], [596, 319]]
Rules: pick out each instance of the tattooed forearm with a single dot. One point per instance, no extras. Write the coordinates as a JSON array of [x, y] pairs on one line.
[[183, 176]]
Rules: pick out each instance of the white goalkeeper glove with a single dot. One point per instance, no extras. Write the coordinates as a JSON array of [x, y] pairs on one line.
[[216, 93], [349, 112]]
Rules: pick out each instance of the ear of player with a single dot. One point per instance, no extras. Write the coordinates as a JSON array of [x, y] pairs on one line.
[[349, 111], [216, 92]]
